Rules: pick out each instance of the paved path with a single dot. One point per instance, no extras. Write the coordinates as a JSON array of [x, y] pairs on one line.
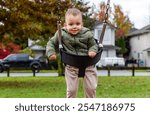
[[28, 74], [122, 73], [99, 72]]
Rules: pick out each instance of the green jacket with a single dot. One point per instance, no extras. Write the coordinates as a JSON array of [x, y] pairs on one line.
[[79, 44]]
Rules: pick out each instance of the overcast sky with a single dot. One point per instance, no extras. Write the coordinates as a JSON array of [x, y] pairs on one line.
[[138, 10]]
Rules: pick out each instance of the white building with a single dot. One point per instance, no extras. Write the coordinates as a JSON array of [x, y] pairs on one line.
[[109, 48], [108, 40], [139, 41], [37, 50]]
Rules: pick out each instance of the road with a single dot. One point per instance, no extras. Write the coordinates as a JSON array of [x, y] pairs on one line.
[[99, 73], [28, 74], [122, 73]]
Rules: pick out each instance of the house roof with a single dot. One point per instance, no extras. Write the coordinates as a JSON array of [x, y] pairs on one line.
[[33, 45], [133, 29], [146, 27], [143, 30], [36, 47], [147, 49]]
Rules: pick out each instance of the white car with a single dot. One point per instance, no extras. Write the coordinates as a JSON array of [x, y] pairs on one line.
[[111, 61]]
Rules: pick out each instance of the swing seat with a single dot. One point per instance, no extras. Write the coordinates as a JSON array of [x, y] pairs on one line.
[[78, 61]]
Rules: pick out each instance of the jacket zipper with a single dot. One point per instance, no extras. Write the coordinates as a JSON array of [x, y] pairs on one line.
[[75, 46]]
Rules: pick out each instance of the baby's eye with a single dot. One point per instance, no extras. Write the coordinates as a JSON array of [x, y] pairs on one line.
[[70, 24], [78, 23]]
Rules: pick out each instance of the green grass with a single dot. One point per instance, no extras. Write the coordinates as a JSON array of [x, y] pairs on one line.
[[55, 87]]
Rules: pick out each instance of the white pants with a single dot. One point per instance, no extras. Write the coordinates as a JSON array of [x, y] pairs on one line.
[[89, 81]]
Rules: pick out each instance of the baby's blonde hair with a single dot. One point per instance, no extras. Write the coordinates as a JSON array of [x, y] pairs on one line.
[[73, 11]]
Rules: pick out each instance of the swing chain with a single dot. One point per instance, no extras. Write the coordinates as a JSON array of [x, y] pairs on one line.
[[107, 9], [104, 23], [59, 23], [58, 10]]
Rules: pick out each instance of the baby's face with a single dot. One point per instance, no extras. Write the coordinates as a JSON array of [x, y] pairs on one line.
[[73, 24]]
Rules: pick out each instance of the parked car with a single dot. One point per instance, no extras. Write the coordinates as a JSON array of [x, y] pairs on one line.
[[19, 61], [111, 61]]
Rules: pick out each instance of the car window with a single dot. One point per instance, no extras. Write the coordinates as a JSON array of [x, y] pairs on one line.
[[22, 57], [11, 58]]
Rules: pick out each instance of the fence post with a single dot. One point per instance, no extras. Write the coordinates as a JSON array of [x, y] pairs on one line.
[[133, 70], [35, 69], [7, 70], [33, 72], [108, 69]]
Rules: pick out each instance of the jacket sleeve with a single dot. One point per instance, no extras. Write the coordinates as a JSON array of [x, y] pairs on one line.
[[52, 45], [92, 45]]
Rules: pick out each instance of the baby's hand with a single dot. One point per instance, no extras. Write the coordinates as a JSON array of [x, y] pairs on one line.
[[92, 54], [52, 57]]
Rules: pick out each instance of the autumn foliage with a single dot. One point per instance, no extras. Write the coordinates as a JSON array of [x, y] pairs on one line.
[[122, 22], [34, 19], [101, 15], [119, 20]]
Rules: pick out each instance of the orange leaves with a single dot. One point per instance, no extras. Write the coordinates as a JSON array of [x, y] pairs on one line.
[[101, 14], [121, 21]]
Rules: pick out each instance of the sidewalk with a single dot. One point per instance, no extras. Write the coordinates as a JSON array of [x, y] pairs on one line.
[[122, 73], [99, 73]]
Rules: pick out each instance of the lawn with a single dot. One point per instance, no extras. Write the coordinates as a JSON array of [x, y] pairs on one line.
[[55, 87]]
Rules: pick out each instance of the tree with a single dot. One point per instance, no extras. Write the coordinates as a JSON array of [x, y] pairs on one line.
[[34, 19], [100, 15], [123, 25], [122, 22]]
